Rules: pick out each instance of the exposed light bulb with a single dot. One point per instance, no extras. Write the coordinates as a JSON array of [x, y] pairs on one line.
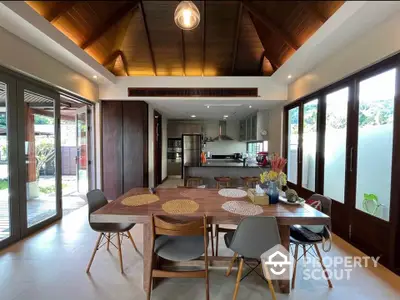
[[187, 14]]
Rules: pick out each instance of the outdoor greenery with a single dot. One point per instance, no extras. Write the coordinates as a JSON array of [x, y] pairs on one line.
[[3, 184], [45, 152], [50, 189], [43, 120]]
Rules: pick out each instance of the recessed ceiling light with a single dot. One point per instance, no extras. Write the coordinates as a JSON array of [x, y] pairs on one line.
[[250, 106], [208, 106], [94, 76], [193, 116], [226, 116], [289, 76]]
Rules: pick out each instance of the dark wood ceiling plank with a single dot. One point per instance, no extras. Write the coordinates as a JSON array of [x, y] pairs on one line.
[[59, 10], [313, 11], [110, 22], [260, 69], [125, 63], [148, 38], [236, 41], [204, 38], [183, 54], [267, 22]]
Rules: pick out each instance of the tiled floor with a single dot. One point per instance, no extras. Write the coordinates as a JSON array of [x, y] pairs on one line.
[[51, 265], [172, 182]]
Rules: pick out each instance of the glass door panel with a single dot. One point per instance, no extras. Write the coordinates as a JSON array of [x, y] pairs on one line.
[[309, 146], [82, 150], [293, 144], [335, 144], [5, 215], [40, 154], [375, 144]]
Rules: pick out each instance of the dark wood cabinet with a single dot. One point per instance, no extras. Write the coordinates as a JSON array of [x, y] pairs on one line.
[[125, 146]]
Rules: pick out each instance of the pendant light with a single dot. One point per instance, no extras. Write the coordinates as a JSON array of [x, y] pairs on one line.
[[187, 15]]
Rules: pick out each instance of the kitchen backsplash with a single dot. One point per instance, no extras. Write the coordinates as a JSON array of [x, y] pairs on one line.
[[225, 147]]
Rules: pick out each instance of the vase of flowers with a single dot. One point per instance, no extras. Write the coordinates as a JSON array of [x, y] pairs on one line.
[[273, 180]]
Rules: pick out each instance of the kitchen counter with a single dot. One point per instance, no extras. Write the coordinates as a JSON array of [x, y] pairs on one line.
[[222, 168]]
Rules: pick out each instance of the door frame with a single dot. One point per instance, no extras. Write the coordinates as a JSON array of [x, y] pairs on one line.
[[21, 86], [157, 142], [82, 110]]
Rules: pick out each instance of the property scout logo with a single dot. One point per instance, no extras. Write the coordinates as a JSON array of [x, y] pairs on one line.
[[277, 264]]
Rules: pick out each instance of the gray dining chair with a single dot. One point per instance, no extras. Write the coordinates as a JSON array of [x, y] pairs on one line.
[[309, 240], [96, 200], [253, 237]]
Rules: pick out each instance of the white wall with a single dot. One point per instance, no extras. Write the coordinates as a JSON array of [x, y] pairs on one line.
[[164, 127], [225, 147], [373, 46], [275, 129], [268, 89], [20, 56]]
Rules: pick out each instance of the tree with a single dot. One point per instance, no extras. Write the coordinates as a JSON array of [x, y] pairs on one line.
[[45, 152]]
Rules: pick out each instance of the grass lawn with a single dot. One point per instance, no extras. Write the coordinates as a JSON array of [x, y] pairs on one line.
[[3, 184]]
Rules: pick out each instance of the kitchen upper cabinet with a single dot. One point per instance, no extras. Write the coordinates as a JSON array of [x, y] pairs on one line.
[[254, 127]]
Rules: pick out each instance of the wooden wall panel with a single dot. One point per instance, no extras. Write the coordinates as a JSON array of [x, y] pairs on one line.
[[125, 146], [135, 150], [112, 148]]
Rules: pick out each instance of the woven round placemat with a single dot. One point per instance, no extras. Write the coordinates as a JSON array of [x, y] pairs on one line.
[[140, 200], [232, 193], [180, 206], [243, 208]]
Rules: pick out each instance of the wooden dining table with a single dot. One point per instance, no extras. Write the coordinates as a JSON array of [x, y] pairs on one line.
[[210, 203]]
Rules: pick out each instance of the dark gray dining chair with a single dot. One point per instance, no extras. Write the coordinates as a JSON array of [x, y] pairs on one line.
[[96, 200], [253, 237], [309, 240]]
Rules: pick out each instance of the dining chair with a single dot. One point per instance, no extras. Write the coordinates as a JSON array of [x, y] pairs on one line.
[[309, 240], [179, 242], [96, 200], [253, 237]]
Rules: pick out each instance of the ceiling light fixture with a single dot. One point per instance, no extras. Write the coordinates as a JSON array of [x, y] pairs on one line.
[[289, 76], [250, 106], [208, 106], [193, 116], [226, 116], [94, 76], [187, 15]]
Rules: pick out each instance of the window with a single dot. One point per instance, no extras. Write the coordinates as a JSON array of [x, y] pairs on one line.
[[293, 144], [309, 145], [254, 147]]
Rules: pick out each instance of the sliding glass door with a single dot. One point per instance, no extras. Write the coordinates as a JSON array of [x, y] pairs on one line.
[[9, 229], [39, 155]]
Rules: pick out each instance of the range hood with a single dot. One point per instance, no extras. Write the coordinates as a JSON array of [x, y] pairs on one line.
[[222, 133]]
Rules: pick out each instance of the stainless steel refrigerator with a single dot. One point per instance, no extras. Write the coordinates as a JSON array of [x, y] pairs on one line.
[[191, 150]]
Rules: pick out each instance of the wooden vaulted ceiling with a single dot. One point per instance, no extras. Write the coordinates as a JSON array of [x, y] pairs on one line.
[[140, 38]]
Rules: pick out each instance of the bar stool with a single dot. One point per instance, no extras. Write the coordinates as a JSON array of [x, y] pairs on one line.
[[222, 181], [194, 181], [250, 182]]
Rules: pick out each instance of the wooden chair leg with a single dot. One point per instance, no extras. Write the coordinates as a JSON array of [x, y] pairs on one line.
[[216, 239], [323, 266], [132, 241], [270, 285], [108, 241], [228, 272], [305, 252], [120, 252], [296, 255], [94, 252], [238, 278], [212, 241]]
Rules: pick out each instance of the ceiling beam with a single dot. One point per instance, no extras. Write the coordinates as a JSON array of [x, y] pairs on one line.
[[203, 38], [112, 58], [125, 63], [312, 10], [236, 41], [260, 69], [61, 8], [110, 22], [267, 22], [148, 38], [183, 53]]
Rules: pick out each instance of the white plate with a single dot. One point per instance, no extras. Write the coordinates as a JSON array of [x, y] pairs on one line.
[[284, 200]]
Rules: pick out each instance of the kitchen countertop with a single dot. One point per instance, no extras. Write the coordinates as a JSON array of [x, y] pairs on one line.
[[220, 163]]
